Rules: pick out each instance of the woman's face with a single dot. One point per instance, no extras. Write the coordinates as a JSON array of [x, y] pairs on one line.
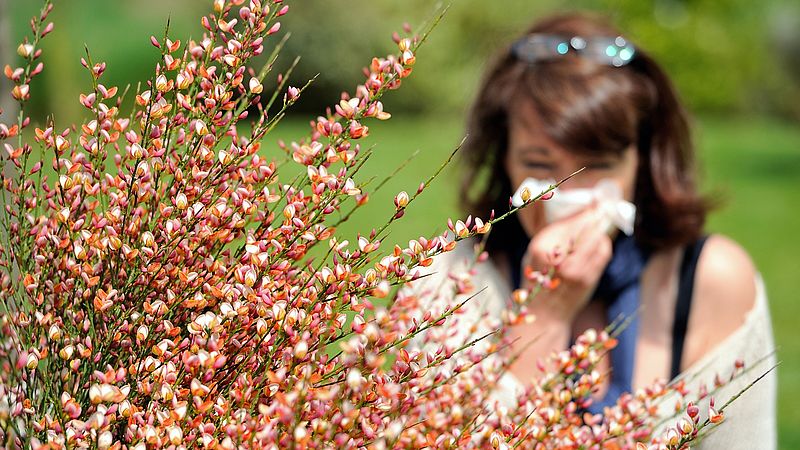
[[532, 154]]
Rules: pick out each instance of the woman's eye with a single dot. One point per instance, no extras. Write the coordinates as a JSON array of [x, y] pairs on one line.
[[537, 165], [600, 165]]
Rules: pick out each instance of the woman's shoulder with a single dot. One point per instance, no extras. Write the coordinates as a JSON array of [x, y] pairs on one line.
[[730, 324], [725, 292], [725, 268]]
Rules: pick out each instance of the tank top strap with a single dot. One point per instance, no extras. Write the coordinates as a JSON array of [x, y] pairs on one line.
[[683, 303]]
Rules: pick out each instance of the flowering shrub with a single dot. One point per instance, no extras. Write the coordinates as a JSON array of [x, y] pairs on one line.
[[172, 286]]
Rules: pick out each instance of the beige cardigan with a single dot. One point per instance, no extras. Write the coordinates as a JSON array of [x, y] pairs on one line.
[[750, 421]]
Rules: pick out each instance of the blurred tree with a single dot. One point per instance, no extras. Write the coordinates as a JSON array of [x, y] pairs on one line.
[[719, 52], [334, 41], [785, 40], [115, 32], [7, 105]]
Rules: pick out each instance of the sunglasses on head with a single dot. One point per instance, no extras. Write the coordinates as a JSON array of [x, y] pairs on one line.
[[611, 50]]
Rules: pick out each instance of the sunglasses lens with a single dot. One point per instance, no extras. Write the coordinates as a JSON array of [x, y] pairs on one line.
[[578, 43], [614, 51]]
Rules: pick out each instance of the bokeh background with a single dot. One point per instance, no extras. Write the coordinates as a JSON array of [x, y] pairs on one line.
[[736, 65]]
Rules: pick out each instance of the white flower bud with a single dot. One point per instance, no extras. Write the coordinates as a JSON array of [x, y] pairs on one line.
[[105, 440], [32, 362], [95, 396], [181, 202], [55, 332], [354, 379], [255, 86], [200, 127], [142, 332], [162, 83], [148, 239], [175, 435], [301, 350], [25, 50]]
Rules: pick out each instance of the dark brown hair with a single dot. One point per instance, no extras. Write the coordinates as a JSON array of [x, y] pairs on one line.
[[586, 107]]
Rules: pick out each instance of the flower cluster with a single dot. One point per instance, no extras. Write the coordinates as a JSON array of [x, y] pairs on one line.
[[164, 284]]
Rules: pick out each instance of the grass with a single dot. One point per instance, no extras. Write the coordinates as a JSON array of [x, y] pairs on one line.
[[752, 164], [757, 165]]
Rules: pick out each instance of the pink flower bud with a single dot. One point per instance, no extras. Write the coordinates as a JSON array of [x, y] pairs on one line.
[[47, 29], [274, 28], [292, 93]]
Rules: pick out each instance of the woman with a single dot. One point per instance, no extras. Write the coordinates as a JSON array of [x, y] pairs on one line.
[[571, 94]]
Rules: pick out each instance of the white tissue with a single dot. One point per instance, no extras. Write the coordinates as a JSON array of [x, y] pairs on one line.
[[615, 211]]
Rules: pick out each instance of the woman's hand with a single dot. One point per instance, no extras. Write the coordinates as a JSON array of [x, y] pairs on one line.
[[577, 250]]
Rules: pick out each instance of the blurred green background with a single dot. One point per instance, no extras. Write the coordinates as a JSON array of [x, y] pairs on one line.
[[737, 66]]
